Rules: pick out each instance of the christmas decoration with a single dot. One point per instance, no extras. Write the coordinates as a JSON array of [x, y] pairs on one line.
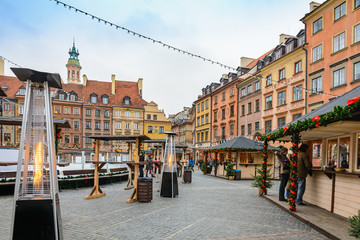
[[57, 139], [295, 139], [354, 229]]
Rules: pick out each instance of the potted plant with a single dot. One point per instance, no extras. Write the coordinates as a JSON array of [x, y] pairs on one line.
[[230, 172], [354, 229], [203, 167]]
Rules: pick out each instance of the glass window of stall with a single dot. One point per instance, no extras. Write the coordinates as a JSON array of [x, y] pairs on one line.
[[338, 152], [316, 153]]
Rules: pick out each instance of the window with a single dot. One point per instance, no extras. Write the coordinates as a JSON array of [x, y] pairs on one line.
[[340, 11], [202, 137], [202, 106], [106, 113], [317, 53], [127, 113], [243, 92], [267, 126], [268, 80], [357, 33], [148, 116], [357, 3], [277, 54], [242, 130], [282, 74], [339, 42], [154, 117], [281, 122], [223, 113], [72, 73], [67, 138], [118, 125], [232, 92], [105, 100], [297, 93], [249, 129], [206, 136], [88, 124], [136, 114], [97, 113], [242, 110], [118, 113], [207, 104], [356, 71], [316, 85], [57, 109], [257, 85], [76, 124], [223, 96], [88, 140], [198, 121], [298, 67], [93, 98], [257, 126], [338, 152], [202, 120], [289, 47], [88, 112], [21, 109], [249, 89], [106, 125], [198, 137], [215, 116], [76, 139], [161, 130], [207, 118], [126, 100], [232, 113], [339, 77], [215, 132], [7, 137], [22, 91], [77, 111], [257, 105], [97, 125], [281, 98], [215, 100], [136, 126], [61, 96], [249, 108], [268, 102], [317, 25], [232, 130], [127, 126], [198, 107], [6, 107], [296, 116]]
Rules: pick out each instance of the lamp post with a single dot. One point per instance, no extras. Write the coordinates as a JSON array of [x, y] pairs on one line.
[[36, 212]]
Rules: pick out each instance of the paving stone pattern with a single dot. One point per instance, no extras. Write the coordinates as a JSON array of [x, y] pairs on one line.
[[208, 208]]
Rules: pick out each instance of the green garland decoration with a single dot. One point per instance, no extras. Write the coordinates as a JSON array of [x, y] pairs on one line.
[[295, 140], [216, 164], [264, 169]]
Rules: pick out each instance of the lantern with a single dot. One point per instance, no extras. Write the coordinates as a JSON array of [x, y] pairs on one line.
[[36, 212], [169, 186]]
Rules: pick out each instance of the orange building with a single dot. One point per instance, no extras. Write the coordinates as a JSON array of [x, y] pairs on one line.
[[333, 45]]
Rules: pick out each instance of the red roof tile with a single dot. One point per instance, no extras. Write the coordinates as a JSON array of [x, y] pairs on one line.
[[130, 89], [12, 83], [99, 88], [253, 63]]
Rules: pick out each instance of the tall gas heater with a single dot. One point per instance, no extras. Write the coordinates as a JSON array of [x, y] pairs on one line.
[[36, 212], [169, 185]]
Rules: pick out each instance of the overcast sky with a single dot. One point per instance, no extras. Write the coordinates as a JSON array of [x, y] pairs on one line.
[[37, 34]]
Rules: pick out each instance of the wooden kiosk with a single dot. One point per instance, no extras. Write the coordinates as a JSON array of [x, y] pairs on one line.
[[96, 190]]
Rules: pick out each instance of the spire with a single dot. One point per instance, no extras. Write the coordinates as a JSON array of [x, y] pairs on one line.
[[74, 54], [73, 65]]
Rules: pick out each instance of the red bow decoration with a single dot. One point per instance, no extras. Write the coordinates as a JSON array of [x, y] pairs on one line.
[[58, 135], [294, 154], [293, 192], [353, 100], [316, 119], [286, 128], [259, 138], [269, 137]]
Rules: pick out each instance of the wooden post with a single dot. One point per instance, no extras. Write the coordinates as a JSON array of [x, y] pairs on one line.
[[129, 184], [133, 197], [183, 166]]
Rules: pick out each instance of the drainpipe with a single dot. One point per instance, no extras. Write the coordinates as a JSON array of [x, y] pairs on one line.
[[306, 70]]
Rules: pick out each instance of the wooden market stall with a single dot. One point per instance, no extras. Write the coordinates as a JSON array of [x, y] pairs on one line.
[[244, 153], [333, 135], [96, 190]]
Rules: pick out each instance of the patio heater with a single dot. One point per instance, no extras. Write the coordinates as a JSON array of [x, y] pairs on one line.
[[169, 186], [36, 212]]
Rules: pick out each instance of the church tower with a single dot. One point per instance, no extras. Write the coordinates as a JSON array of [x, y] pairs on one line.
[[73, 66]]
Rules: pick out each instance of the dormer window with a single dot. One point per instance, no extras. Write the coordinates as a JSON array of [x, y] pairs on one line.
[[105, 99], [61, 96], [126, 100], [277, 54], [93, 98], [289, 47], [4, 88], [73, 96], [22, 91]]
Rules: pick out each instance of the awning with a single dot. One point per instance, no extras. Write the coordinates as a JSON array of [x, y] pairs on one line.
[[241, 143]]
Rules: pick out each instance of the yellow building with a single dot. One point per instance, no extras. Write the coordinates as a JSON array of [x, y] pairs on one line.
[[155, 122], [283, 73]]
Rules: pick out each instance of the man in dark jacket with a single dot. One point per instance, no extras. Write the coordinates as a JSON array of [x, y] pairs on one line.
[[285, 171], [304, 167], [141, 167]]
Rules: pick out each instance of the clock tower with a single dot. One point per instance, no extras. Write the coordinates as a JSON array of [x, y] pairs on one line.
[[73, 66]]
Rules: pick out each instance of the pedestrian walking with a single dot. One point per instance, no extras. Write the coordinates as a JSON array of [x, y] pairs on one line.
[[285, 171], [304, 168], [149, 166]]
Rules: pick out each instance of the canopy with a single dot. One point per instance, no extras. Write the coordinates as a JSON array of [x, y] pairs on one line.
[[241, 143], [118, 137]]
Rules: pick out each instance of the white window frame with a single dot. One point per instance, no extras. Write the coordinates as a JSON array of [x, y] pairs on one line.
[[298, 66], [281, 98], [105, 100], [257, 85], [340, 11], [317, 25], [317, 53], [357, 33], [356, 71], [339, 77], [249, 89], [316, 85], [127, 113], [268, 80], [127, 126], [136, 126], [339, 42], [268, 102], [118, 125], [297, 93]]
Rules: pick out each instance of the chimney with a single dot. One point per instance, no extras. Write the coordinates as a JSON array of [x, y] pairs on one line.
[[284, 37], [1, 66], [113, 84], [314, 5], [225, 76], [244, 61], [140, 86], [84, 80]]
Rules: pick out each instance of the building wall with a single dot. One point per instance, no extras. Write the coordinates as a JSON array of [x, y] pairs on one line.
[[202, 126], [157, 124], [331, 61]]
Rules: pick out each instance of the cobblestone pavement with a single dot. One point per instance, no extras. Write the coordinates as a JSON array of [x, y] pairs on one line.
[[208, 208]]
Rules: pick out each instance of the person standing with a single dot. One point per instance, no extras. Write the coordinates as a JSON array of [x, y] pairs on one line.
[[285, 171], [304, 167], [141, 167], [149, 166]]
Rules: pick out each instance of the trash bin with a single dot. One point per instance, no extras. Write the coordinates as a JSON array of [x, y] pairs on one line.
[[208, 169], [144, 190], [237, 175], [187, 176]]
